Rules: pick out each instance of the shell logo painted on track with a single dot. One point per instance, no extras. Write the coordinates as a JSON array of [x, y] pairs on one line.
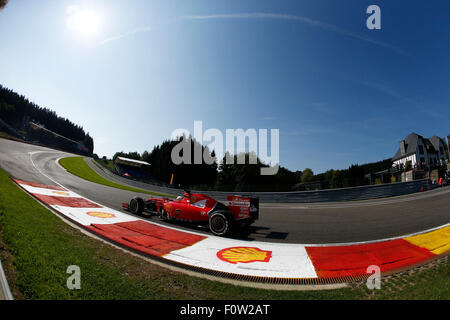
[[103, 215], [60, 193], [244, 255]]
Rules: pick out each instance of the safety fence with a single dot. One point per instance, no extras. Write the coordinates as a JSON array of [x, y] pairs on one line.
[[331, 195]]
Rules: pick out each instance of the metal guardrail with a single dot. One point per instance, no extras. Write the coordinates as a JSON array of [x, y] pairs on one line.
[[334, 195], [331, 195]]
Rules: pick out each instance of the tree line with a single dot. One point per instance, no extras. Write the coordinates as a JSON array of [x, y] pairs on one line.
[[17, 112], [246, 177]]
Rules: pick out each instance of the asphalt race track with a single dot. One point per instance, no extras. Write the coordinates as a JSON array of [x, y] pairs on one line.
[[291, 223]]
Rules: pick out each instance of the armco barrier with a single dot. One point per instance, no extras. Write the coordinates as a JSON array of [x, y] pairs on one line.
[[344, 194], [256, 261], [332, 195]]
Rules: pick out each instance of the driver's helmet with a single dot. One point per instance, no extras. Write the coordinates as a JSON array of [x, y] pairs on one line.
[[179, 198]]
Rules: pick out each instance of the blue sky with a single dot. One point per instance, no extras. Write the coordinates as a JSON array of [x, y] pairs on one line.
[[339, 93]]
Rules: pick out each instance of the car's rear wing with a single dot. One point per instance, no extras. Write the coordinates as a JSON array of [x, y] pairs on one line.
[[243, 207]]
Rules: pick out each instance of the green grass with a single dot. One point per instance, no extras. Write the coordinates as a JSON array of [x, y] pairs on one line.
[[433, 283], [42, 247], [77, 166], [101, 165], [108, 164], [37, 247]]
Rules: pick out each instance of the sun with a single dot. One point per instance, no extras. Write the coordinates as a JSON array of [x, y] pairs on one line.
[[85, 22]]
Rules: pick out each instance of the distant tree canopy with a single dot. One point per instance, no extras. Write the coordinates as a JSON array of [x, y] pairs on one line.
[[307, 175], [17, 111], [231, 176], [356, 176], [352, 177], [239, 177], [3, 3], [226, 177], [337, 180], [185, 175], [129, 155]]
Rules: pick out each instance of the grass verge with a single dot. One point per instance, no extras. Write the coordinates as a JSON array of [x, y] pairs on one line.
[[107, 164], [77, 166], [37, 247]]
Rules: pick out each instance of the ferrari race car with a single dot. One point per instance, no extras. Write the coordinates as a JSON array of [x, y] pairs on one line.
[[200, 209]]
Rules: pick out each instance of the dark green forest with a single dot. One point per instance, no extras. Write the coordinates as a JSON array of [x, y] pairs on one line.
[[246, 177], [18, 116]]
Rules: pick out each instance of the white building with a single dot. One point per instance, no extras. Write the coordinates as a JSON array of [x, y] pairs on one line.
[[421, 151]]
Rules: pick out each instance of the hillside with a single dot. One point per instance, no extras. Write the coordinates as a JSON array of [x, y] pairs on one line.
[[24, 119]]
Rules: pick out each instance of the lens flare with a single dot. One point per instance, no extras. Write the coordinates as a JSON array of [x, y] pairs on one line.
[[84, 21]]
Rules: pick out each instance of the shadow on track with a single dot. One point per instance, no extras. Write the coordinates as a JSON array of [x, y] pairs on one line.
[[251, 233]]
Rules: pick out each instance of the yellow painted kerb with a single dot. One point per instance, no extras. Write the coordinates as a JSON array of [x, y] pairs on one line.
[[438, 241]]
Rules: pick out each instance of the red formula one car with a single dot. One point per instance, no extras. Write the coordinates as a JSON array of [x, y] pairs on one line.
[[200, 209]]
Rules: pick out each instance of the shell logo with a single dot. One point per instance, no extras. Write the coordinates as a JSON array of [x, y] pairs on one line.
[[244, 255], [103, 215], [60, 193]]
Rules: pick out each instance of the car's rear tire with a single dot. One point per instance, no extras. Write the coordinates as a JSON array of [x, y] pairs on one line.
[[137, 205], [220, 224]]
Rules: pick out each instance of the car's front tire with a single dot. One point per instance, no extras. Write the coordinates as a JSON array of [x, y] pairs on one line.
[[137, 205], [163, 215], [220, 224]]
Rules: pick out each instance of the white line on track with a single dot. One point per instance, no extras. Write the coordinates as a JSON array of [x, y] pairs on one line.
[[60, 166]]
